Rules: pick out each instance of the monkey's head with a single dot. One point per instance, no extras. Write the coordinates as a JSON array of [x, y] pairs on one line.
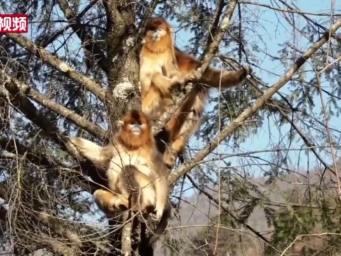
[[135, 130], [156, 30]]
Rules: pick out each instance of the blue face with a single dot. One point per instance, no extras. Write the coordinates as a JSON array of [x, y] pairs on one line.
[[136, 128]]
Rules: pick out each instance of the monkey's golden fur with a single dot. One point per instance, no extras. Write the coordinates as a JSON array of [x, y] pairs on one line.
[[135, 164], [159, 71], [187, 118]]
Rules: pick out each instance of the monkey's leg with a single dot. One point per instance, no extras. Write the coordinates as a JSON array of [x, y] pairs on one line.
[[161, 193], [151, 101], [140, 189], [176, 147], [110, 203], [147, 192], [182, 128]]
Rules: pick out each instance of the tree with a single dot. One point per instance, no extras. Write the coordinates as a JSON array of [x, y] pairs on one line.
[[76, 73]]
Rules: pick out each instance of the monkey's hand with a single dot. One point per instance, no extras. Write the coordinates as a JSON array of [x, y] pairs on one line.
[[159, 212], [193, 75], [182, 79], [177, 80]]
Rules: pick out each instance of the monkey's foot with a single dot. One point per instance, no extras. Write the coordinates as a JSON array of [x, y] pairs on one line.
[[118, 204], [169, 159]]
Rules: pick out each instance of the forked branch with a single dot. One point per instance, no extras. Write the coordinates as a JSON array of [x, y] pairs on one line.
[[61, 66], [13, 85], [254, 108], [87, 41]]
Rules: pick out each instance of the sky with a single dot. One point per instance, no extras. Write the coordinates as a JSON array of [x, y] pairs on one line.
[[273, 30]]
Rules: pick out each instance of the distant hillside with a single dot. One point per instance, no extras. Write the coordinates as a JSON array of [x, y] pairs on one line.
[[198, 213]]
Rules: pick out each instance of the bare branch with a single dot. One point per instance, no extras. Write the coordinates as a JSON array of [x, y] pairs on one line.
[[127, 234], [13, 86], [226, 210], [22, 103], [59, 65], [212, 48], [115, 25], [87, 41], [255, 107], [285, 10]]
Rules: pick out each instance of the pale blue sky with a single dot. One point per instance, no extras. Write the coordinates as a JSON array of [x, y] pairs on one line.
[[274, 30]]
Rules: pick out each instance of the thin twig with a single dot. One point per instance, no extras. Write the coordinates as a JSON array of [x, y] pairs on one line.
[[254, 108], [318, 75]]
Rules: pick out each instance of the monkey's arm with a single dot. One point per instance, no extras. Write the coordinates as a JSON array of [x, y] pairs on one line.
[[212, 77], [162, 191], [164, 83], [91, 151], [225, 79]]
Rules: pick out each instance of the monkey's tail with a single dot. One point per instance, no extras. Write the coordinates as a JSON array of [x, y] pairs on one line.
[[146, 246]]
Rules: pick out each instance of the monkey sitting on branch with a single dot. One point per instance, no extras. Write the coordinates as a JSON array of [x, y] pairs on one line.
[[137, 176], [158, 45], [159, 71]]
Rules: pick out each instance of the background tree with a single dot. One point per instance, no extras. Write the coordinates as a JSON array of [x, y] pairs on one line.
[[76, 72]]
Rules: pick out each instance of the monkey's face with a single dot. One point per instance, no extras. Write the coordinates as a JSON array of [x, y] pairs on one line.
[[153, 36], [136, 128], [135, 123], [155, 30], [150, 37]]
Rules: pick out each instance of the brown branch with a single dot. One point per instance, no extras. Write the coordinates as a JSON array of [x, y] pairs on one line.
[[3, 193], [253, 81], [43, 43], [13, 86], [305, 139], [116, 27], [160, 123], [214, 25], [126, 234], [79, 29], [147, 18], [14, 146], [62, 229], [58, 247], [254, 108], [211, 48], [59, 65], [25, 106]]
